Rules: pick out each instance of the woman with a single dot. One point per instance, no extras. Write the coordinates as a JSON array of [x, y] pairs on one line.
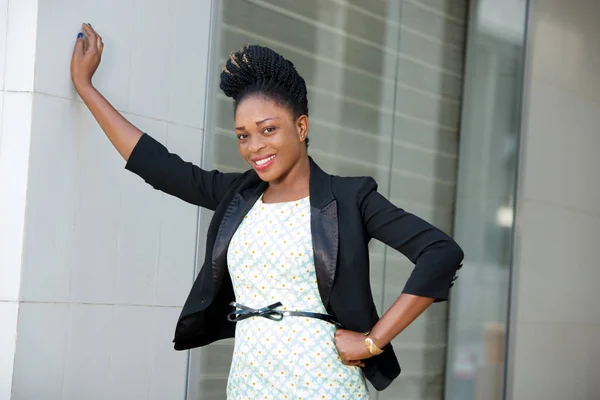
[[286, 268]]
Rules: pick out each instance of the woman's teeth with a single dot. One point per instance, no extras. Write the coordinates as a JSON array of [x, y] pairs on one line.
[[264, 160]]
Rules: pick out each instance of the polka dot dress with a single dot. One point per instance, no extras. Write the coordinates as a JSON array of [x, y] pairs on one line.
[[271, 260]]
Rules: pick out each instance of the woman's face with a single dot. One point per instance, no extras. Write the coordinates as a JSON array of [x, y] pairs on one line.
[[269, 138]]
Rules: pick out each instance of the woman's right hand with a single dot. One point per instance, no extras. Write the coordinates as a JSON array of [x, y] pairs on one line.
[[84, 62]]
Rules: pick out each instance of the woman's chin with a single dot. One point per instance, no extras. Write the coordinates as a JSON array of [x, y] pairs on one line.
[[267, 176]]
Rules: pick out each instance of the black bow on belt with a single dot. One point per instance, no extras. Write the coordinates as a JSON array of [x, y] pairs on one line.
[[242, 312]]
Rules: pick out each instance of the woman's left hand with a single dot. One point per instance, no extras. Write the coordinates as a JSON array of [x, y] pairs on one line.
[[351, 347]]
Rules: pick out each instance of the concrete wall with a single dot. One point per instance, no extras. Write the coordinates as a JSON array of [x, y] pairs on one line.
[[555, 348], [17, 55], [95, 264]]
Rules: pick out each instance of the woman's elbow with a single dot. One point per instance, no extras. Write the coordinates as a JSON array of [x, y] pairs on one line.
[[454, 256], [456, 252]]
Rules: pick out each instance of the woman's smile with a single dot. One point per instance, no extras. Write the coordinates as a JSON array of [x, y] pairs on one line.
[[263, 163]]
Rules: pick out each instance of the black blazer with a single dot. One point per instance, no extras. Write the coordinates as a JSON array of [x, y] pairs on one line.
[[346, 213]]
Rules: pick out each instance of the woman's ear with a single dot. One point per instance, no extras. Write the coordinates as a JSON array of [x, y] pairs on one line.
[[302, 127]]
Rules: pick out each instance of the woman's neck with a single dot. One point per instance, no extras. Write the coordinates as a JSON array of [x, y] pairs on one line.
[[294, 185]]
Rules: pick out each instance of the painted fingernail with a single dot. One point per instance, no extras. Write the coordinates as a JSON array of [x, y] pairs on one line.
[[90, 25], [79, 35]]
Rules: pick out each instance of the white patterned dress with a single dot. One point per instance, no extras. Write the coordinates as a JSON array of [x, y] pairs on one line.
[[271, 260]]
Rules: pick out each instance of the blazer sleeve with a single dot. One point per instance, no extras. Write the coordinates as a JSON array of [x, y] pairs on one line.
[[169, 173], [436, 256]]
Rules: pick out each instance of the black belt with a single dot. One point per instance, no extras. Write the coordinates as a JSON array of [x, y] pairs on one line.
[[242, 312]]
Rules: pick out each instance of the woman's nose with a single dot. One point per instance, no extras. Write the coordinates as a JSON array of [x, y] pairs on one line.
[[256, 144]]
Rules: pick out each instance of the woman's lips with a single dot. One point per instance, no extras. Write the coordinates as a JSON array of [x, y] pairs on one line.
[[262, 164]]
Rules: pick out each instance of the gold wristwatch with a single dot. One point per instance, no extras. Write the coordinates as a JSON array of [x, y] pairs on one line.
[[373, 349]]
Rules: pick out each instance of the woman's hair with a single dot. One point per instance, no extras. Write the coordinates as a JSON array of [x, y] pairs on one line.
[[257, 70]]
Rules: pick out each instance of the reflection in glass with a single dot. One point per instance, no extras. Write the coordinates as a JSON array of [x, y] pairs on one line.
[[485, 203]]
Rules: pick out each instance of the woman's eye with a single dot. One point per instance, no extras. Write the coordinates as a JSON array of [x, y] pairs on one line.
[[242, 136], [269, 130]]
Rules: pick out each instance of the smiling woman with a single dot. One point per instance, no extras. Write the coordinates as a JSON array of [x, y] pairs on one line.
[[286, 270], [270, 139], [271, 117]]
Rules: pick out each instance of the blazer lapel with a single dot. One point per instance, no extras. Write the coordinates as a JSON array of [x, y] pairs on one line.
[[235, 213], [324, 230]]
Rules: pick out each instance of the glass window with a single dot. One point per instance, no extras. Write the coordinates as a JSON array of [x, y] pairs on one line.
[[485, 199]]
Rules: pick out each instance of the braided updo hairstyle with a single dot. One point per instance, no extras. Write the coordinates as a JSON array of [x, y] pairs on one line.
[[257, 70]]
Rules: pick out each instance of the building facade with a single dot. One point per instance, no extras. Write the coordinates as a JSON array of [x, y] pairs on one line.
[[480, 116]]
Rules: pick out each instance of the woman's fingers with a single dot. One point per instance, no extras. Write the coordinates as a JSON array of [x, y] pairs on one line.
[[99, 44], [353, 363], [85, 61], [95, 37], [356, 364], [92, 38], [79, 43]]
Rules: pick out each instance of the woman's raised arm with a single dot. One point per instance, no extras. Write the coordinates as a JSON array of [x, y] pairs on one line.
[[145, 156], [121, 133]]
